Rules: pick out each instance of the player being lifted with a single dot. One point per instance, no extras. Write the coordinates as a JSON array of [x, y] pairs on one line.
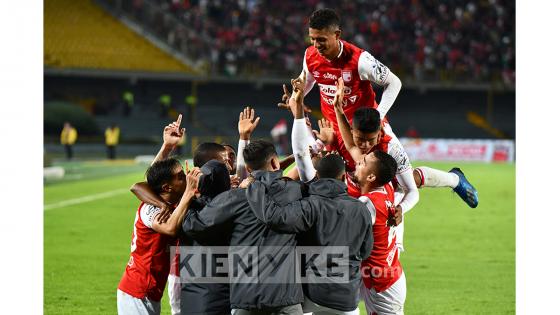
[[383, 288], [331, 58]]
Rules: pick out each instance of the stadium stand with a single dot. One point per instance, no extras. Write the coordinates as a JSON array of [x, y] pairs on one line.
[[79, 34], [455, 41]]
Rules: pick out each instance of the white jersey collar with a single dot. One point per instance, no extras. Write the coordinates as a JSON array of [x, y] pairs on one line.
[[341, 45]]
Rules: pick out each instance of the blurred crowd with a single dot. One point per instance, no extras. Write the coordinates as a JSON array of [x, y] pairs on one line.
[[455, 40]]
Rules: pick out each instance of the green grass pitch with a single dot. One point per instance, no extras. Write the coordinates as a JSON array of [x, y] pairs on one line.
[[457, 260]]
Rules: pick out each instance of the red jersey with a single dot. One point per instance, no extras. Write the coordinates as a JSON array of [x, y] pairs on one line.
[[148, 267], [382, 268], [338, 145], [357, 68]]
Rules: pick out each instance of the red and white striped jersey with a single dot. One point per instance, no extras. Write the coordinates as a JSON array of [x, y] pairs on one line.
[[148, 266], [382, 268]]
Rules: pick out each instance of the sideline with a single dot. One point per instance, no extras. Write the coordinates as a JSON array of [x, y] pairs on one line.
[[75, 201]]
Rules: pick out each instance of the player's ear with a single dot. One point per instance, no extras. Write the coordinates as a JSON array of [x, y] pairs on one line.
[[166, 187], [343, 177], [275, 163], [337, 33], [371, 178]]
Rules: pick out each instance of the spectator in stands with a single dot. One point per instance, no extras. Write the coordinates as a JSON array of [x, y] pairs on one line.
[[112, 134], [442, 40], [68, 137]]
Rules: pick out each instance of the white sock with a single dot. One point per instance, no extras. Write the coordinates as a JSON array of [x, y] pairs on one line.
[[437, 178]]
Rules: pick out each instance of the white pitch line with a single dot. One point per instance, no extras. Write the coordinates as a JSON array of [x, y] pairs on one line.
[[75, 201]]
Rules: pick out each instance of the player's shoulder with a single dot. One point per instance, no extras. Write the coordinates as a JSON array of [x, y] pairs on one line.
[[311, 51], [148, 213], [148, 208], [350, 46]]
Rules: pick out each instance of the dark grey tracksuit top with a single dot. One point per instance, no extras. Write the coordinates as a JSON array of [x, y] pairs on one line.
[[328, 217], [230, 214]]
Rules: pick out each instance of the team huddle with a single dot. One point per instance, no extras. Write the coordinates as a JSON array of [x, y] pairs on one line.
[[350, 188]]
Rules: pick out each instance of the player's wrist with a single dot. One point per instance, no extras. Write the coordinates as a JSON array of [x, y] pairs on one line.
[[245, 136]]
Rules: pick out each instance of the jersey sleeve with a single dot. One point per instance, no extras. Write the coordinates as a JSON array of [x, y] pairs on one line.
[[309, 79], [370, 207], [148, 214], [372, 69]]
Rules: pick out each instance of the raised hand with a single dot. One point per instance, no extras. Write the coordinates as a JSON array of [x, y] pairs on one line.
[[234, 181], [247, 123], [173, 133], [339, 96], [326, 131], [193, 176], [286, 98]]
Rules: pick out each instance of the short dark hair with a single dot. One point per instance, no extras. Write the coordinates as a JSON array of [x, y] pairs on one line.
[[324, 18], [330, 166], [214, 179], [257, 153], [161, 172], [386, 167], [228, 145], [366, 119], [205, 152]]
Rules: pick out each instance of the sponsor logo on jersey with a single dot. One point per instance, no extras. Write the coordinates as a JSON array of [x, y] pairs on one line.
[[347, 75], [330, 90], [316, 74], [330, 76]]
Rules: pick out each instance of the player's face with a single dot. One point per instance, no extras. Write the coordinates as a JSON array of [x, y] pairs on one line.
[[232, 157], [223, 157], [365, 140], [365, 169], [179, 181], [325, 41]]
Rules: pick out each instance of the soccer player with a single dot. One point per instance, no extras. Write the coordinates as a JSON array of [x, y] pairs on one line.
[[143, 282], [328, 60], [384, 284], [232, 158], [246, 125]]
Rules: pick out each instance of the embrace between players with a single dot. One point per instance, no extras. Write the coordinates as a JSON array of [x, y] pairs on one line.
[[351, 187]]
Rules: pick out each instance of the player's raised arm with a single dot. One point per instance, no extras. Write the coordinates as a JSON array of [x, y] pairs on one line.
[[372, 70], [172, 135], [300, 133], [343, 124], [246, 125]]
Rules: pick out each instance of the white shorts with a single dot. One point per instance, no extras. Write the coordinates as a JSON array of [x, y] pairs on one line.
[[174, 291], [316, 309], [388, 302], [129, 305]]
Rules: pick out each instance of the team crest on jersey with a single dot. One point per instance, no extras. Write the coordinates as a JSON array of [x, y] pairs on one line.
[[347, 75]]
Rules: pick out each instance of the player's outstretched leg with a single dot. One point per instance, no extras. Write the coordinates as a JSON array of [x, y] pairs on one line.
[[465, 189], [455, 179]]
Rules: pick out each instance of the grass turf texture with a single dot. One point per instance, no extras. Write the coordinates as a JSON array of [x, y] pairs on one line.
[[457, 260]]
